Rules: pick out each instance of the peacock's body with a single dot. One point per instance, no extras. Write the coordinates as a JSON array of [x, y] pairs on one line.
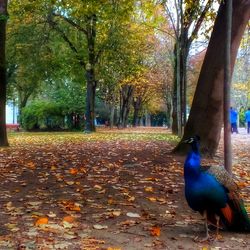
[[213, 192]]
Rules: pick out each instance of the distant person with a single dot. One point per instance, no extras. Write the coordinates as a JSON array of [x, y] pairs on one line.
[[233, 120], [247, 118]]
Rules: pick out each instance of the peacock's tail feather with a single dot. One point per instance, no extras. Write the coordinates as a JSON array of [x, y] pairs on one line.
[[234, 215]]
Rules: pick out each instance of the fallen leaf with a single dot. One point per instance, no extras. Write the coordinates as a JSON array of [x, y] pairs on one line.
[[99, 227], [69, 219], [67, 224], [116, 213], [42, 221], [133, 215], [149, 189], [153, 199], [73, 171], [155, 231]]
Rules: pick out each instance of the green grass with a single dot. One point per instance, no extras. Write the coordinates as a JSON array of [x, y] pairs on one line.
[[60, 137]]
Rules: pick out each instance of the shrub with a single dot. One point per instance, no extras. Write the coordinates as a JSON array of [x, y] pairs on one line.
[[42, 115]]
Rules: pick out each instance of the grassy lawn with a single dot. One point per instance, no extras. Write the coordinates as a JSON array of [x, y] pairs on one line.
[[138, 134]]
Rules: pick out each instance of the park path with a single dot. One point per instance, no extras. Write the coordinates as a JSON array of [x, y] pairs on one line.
[[105, 194]]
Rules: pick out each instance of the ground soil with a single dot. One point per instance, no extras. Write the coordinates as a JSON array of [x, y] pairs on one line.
[[119, 194]]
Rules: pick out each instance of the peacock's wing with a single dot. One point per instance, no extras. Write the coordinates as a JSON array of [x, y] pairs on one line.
[[234, 214], [222, 176]]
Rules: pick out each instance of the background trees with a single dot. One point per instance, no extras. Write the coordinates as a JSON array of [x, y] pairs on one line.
[[119, 63], [206, 113], [187, 19]]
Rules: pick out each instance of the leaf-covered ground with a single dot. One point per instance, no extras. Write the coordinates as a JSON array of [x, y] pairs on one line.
[[109, 190]]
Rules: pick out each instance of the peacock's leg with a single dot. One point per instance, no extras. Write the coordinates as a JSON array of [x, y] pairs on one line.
[[207, 237], [217, 217], [206, 226]]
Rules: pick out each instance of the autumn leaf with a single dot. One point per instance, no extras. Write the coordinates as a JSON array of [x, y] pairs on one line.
[[41, 221], [116, 213], [69, 219], [155, 231], [52, 168], [153, 199], [31, 165], [73, 171], [71, 206], [133, 215], [100, 227], [149, 189]]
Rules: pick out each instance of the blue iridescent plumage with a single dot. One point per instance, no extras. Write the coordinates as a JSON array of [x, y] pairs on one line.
[[213, 192]]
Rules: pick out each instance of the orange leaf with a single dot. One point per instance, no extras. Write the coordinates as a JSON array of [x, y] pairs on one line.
[[69, 219], [74, 207], [155, 231], [73, 171], [31, 165], [42, 221], [242, 184]]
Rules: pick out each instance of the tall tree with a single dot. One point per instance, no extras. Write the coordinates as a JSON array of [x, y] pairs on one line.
[[206, 113], [187, 23], [3, 78], [93, 24]]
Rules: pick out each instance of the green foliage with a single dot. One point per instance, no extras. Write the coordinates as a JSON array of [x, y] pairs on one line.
[[242, 117], [42, 114]]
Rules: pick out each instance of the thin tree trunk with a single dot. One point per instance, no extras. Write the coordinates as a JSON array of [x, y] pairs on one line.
[[206, 112], [3, 78], [90, 102], [112, 115], [176, 114], [137, 106], [147, 119], [126, 95], [227, 89]]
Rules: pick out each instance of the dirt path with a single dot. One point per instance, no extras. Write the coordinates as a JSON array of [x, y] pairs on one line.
[[106, 194]]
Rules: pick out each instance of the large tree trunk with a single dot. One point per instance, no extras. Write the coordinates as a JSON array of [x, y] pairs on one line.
[[3, 79], [206, 113], [90, 74]]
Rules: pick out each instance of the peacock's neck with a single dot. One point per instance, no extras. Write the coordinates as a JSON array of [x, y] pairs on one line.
[[192, 164]]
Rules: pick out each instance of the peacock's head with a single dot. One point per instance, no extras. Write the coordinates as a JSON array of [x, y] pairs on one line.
[[192, 140]]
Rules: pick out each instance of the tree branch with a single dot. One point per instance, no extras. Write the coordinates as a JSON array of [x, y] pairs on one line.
[[72, 23], [199, 21], [54, 26]]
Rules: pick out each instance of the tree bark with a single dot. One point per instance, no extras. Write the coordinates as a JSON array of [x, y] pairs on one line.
[[176, 114], [90, 74], [3, 76], [90, 101], [181, 51], [137, 106], [206, 112], [125, 102]]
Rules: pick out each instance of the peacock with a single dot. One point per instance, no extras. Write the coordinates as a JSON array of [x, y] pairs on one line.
[[212, 191]]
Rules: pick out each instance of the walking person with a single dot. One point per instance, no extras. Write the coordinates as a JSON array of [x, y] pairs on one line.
[[247, 118], [233, 120]]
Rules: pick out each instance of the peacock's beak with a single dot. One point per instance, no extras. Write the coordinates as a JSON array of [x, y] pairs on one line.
[[188, 141]]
